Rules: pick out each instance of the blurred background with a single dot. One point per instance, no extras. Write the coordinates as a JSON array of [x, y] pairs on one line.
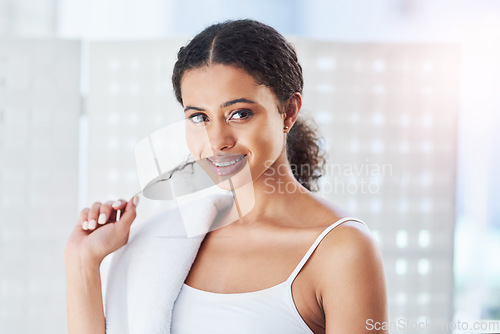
[[405, 93]]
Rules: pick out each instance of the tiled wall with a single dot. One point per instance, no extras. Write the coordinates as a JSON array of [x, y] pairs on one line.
[[39, 110], [388, 114], [389, 117]]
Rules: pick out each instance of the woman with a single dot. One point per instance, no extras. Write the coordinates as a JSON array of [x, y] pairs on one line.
[[290, 265]]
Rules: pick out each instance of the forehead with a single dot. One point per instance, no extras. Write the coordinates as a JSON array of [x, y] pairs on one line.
[[215, 84]]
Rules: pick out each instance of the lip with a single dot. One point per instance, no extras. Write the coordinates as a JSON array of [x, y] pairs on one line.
[[225, 158], [237, 161]]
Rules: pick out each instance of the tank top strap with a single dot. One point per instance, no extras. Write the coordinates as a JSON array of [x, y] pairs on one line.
[[315, 245]]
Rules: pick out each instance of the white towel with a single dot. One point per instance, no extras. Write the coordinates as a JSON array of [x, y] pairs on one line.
[[146, 275]]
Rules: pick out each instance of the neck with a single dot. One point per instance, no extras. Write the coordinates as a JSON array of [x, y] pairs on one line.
[[266, 196]]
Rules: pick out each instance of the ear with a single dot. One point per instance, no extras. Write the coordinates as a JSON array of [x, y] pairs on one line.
[[292, 109]]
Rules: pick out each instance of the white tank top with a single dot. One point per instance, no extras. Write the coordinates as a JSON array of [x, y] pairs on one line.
[[270, 310]]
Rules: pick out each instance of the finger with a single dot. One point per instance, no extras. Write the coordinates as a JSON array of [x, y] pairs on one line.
[[93, 215], [104, 212], [83, 219], [128, 215], [119, 204]]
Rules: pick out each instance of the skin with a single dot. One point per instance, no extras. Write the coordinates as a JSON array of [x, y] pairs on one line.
[[340, 287], [85, 250]]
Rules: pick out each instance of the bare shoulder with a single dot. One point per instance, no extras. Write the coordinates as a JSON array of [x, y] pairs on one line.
[[351, 236], [348, 247], [351, 277]]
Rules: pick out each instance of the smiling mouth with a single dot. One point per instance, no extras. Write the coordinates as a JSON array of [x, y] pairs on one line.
[[226, 163]]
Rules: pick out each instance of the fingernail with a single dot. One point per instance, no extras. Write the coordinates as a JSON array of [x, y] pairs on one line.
[[116, 204], [92, 224], [102, 219], [136, 201], [85, 225]]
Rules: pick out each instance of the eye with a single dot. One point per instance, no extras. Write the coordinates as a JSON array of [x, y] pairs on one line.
[[242, 114], [198, 118]]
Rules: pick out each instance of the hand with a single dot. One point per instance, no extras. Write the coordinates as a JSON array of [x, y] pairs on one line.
[[97, 233]]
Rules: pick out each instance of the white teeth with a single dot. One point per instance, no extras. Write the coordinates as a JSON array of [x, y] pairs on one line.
[[224, 164]]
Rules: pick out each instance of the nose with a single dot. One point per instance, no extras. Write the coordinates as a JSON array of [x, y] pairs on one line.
[[221, 137]]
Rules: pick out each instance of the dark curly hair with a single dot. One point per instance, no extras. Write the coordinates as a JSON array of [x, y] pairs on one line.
[[266, 55]]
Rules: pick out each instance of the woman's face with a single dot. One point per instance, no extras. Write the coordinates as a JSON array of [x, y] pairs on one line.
[[231, 122]]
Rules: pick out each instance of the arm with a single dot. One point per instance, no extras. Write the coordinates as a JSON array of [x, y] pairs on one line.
[[87, 246], [353, 290], [84, 296]]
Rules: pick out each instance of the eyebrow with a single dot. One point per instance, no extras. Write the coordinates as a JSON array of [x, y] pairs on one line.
[[224, 105], [240, 100]]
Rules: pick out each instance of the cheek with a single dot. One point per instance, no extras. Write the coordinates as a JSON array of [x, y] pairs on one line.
[[267, 142], [196, 141]]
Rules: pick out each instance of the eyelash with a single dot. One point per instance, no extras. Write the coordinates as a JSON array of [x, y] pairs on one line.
[[248, 112], [195, 115]]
